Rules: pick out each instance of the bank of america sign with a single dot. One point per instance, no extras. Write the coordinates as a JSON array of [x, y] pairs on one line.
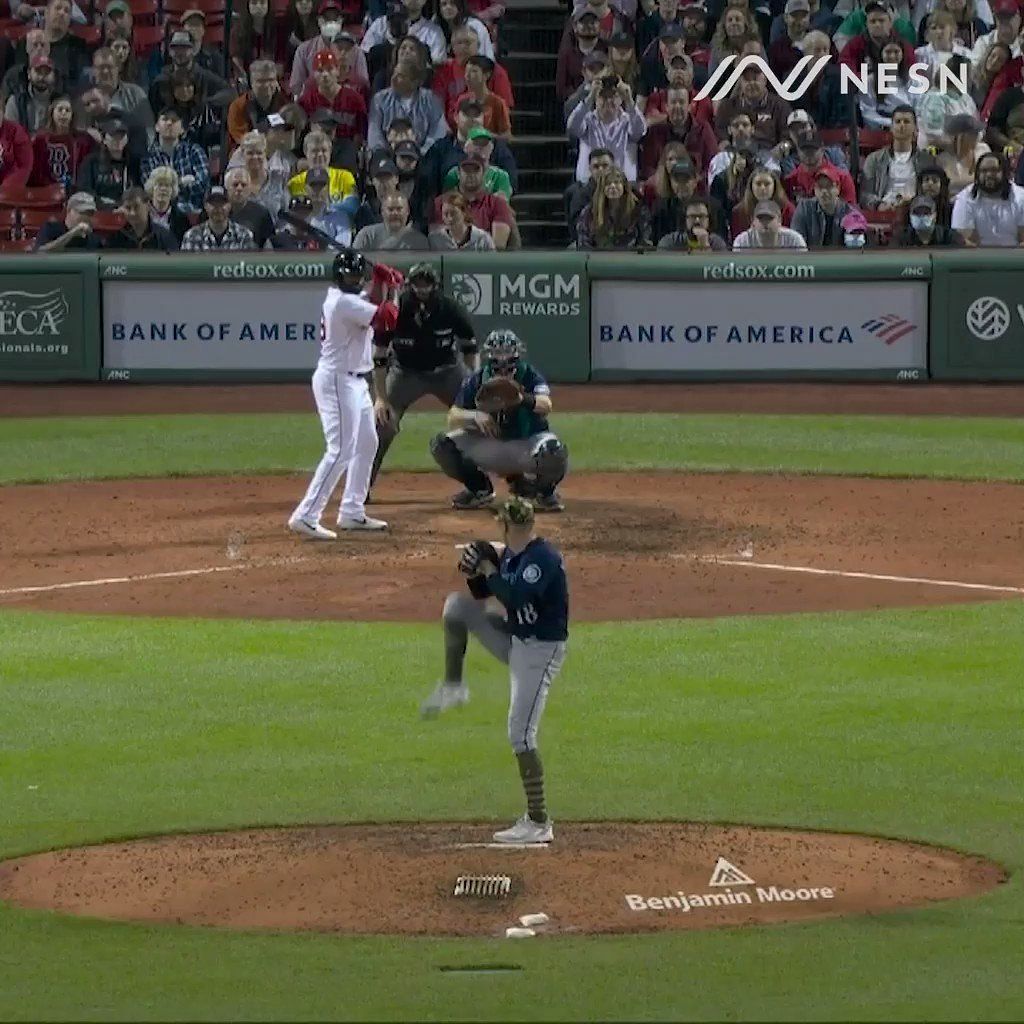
[[884, 76]]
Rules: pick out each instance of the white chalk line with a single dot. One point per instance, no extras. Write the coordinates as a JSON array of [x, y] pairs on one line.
[[178, 574], [746, 563]]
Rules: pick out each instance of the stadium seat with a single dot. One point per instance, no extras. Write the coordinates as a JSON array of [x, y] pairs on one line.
[[8, 222], [16, 244], [146, 38], [835, 136], [89, 34], [107, 221], [883, 223], [14, 30], [33, 220], [176, 8], [868, 140], [45, 197]]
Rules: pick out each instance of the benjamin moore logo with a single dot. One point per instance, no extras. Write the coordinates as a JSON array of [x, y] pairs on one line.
[[475, 292], [725, 873], [32, 314], [885, 79], [988, 318]]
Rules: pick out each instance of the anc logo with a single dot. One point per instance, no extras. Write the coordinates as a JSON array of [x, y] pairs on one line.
[[475, 292]]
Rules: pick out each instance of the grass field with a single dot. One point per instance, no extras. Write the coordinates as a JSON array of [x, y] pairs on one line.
[[903, 723]]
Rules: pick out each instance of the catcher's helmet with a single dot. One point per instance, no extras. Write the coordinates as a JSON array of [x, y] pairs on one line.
[[350, 270], [424, 271], [503, 349]]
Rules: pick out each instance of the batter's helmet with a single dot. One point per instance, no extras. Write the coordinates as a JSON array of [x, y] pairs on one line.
[[350, 270]]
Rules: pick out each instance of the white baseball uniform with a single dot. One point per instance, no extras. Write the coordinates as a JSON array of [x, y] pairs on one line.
[[342, 396]]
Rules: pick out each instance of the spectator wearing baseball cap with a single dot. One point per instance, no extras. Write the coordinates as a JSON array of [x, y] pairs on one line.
[[497, 119], [820, 19], [140, 232], [683, 183], [1006, 14], [595, 65], [289, 236], [801, 182], [182, 66], [326, 92], [171, 149], [766, 231], [382, 180], [679, 126], [655, 63], [867, 29], [211, 58], [680, 74], [609, 119], [425, 30], [581, 39], [395, 231], [855, 230], [785, 158], [28, 104], [761, 184], [480, 144], [768, 113], [648, 28], [785, 52], [74, 231], [923, 229], [818, 218], [218, 233], [332, 36], [109, 171], [489, 211]]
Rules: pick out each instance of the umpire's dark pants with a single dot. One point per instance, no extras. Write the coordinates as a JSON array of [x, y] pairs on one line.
[[402, 388]]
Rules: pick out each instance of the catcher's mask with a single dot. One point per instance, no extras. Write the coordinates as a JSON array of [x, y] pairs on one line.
[[502, 350], [350, 270], [515, 512], [424, 281]]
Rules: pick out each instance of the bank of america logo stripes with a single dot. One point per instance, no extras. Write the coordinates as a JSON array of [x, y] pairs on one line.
[[889, 327], [795, 84]]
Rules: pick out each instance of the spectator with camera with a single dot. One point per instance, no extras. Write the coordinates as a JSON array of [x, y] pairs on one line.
[[609, 119], [616, 218], [694, 233]]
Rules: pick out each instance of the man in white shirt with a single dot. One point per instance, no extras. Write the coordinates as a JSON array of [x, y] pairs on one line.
[[767, 231], [991, 213], [426, 31], [1008, 21], [352, 311]]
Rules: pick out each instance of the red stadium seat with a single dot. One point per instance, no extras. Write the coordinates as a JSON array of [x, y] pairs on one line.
[[869, 140], [835, 136], [33, 220], [16, 244], [8, 221], [214, 34], [14, 30], [106, 222], [46, 197], [883, 223], [146, 38], [176, 8], [89, 34]]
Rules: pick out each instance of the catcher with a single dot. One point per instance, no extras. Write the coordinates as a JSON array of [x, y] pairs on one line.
[[499, 424], [526, 575]]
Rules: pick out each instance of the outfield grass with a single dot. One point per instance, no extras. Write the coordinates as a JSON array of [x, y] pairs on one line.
[[910, 727], [33, 450]]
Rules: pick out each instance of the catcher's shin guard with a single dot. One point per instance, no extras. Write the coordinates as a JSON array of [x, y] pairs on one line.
[[550, 464], [454, 464]]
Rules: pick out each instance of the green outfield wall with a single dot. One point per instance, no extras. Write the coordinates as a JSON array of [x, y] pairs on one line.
[[901, 316]]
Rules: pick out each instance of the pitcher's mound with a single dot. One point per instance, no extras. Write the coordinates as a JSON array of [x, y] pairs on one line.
[[401, 879]]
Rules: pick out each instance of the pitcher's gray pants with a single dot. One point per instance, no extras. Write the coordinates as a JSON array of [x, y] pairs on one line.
[[533, 664]]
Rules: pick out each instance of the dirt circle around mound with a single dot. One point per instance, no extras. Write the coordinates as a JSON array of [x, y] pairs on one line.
[[638, 546], [596, 878]]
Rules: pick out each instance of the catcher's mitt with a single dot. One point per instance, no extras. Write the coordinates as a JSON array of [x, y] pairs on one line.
[[499, 394], [474, 554]]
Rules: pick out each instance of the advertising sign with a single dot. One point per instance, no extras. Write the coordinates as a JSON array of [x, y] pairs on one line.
[[678, 329]]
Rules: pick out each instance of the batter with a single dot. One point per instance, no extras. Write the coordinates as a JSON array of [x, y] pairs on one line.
[[526, 575], [353, 309]]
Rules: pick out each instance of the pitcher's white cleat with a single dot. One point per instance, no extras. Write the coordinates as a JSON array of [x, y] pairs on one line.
[[526, 831], [445, 696], [311, 531], [363, 523]]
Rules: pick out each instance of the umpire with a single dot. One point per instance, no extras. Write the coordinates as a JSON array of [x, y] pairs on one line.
[[430, 352]]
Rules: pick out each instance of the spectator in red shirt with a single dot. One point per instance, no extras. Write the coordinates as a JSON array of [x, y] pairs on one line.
[[866, 48], [800, 184], [489, 211], [15, 154], [449, 80], [325, 91], [58, 149], [785, 52], [679, 125], [496, 115], [680, 76], [581, 38]]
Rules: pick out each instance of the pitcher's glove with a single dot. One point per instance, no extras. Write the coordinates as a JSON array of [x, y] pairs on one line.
[[474, 554], [498, 395]]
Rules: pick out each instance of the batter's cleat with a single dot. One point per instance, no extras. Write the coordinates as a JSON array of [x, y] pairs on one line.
[[445, 696], [548, 503], [362, 523], [467, 499], [525, 832], [521, 487], [311, 531]]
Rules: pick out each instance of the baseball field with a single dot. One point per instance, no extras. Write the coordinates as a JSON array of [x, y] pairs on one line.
[[782, 758]]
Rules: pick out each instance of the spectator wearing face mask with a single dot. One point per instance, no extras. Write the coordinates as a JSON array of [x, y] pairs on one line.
[[330, 37], [610, 119], [991, 212], [818, 219], [923, 229], [766, 231], [855, 230], [694, 233], [394, 232]]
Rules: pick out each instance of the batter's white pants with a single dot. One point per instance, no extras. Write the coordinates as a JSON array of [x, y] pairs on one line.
[[346, 413]]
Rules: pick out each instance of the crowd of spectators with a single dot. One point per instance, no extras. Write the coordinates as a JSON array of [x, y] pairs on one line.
[[386, 124]]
